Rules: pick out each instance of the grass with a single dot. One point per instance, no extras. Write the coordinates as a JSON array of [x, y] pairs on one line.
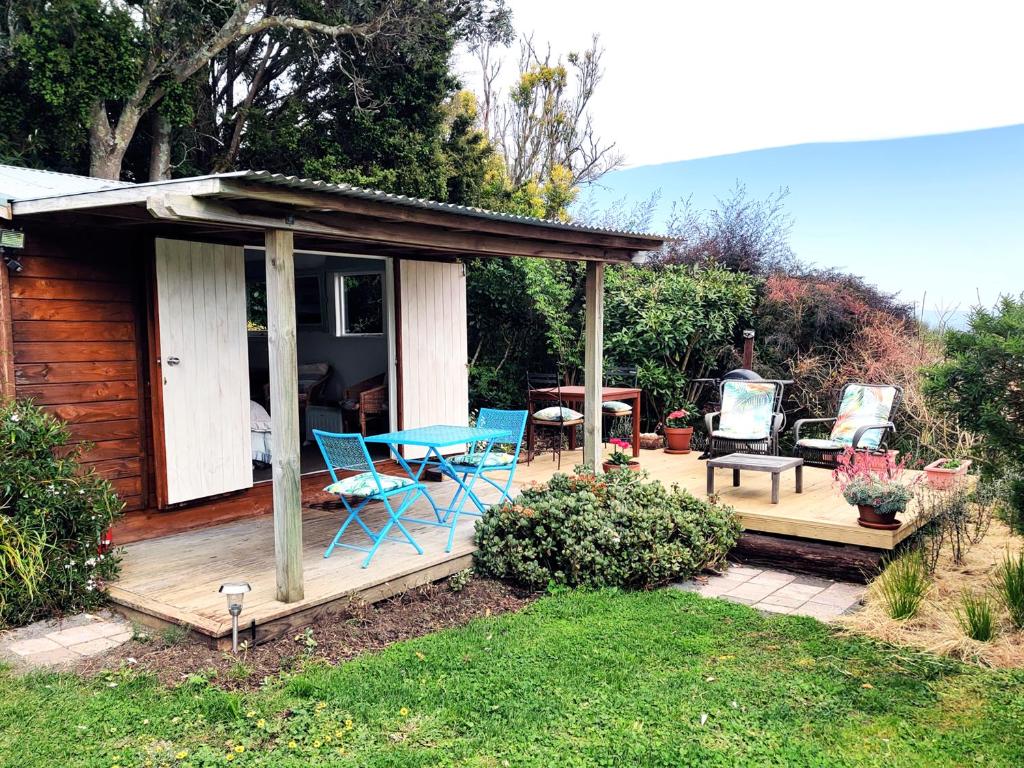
[[1010, 584], [660, 678], [903, 585], [976, 616]]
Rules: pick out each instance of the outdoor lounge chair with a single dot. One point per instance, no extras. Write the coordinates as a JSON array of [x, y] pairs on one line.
[[749, 420], [863, 423], [348, 452]]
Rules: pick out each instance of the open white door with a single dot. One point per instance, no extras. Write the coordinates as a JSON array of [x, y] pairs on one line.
[[204, 370], [435, 359]]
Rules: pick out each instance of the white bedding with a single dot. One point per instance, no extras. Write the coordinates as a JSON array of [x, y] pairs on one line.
[[260, 433]]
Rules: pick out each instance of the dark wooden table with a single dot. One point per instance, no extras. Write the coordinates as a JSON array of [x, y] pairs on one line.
[[575, 395], [756, 463]]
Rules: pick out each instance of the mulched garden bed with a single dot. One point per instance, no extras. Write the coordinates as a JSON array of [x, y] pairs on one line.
[[351, 633]]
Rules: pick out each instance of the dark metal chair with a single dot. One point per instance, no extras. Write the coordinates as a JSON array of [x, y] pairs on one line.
[[612, 411], [552, 416], [863, 422], [750, 418]]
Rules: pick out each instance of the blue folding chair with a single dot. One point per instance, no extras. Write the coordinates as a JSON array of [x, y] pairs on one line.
[[348, 452], [478, 463]]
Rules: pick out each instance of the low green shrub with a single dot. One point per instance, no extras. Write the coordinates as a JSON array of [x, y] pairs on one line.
[[903, 585], [617, 529], [1010, 584], [53, 518], [976, 616]]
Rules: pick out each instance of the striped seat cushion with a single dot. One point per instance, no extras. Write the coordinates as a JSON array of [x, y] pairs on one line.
[[363, 485]]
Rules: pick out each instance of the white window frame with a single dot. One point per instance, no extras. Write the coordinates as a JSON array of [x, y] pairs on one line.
[[339, 303]]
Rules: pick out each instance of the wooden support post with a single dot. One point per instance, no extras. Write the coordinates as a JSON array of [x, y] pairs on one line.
[[593, 364], [6, 341], [284, 409]]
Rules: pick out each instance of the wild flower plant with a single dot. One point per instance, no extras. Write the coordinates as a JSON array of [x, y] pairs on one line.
[[618, 456]]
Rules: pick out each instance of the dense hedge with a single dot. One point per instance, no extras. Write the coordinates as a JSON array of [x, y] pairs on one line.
[[53, 518], [617, 529]]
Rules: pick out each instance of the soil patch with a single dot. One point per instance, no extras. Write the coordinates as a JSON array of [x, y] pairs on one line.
[[353, 632]]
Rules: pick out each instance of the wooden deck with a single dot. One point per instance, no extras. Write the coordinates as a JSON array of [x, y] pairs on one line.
[[820, 513], [174, 579]]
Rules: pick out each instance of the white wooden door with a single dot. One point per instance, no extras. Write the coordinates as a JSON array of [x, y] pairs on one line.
[[204, 369], [435, 364]]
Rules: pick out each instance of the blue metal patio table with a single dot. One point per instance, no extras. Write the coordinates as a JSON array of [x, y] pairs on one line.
[[434, 439]]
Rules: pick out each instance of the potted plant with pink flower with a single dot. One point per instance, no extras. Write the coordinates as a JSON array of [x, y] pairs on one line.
[[619, 459], [878, 493], [679, 429]]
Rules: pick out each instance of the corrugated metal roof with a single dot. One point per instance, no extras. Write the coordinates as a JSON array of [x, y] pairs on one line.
[[18, 183], [348, 190], [23, 184]]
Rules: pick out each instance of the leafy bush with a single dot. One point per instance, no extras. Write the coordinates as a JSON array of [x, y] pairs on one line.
[[903, 585], [617, 529], [1010, 584], [976, 616], [956, 518], [53, 518], [886, 496]]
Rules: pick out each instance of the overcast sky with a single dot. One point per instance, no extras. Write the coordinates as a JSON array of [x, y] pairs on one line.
[[689, 79]]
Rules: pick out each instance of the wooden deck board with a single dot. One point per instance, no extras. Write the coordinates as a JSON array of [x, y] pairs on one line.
[[175, 578]]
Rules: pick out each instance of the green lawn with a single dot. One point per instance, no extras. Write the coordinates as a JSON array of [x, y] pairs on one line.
[[601, 679]]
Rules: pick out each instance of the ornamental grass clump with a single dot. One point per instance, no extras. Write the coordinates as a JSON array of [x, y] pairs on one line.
[[976, 616], [53, 519], [617, 529], [903, 585], [1009, 582]]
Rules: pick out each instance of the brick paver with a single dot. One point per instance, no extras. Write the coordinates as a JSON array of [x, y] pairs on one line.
[[51, 643]]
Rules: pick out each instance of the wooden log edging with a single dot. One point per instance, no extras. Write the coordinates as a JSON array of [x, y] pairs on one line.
[[842, 562]]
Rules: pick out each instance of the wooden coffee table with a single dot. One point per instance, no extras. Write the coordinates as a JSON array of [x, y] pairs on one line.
[[756, 463]]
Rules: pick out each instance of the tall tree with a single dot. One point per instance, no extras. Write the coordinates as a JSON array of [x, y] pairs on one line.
[[152, 48]]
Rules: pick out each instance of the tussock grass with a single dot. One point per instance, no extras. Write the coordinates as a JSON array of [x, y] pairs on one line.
[[1009, 582], [903, 585], [976, 616]]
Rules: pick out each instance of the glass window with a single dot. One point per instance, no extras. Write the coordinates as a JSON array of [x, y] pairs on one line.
[[360, 304]]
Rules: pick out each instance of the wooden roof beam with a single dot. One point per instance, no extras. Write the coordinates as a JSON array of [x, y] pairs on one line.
[[186, 208]]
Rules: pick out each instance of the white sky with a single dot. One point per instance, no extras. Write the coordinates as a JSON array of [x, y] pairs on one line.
[[693, 79]]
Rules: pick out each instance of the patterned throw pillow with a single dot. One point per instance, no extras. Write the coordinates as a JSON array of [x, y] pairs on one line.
[[555, 413], [364, 485], [863, 404], [746, 410], [614, 406], [820, 444], [494, 459]]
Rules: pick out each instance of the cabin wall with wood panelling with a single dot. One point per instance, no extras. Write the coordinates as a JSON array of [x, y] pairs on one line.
[[78, 341]]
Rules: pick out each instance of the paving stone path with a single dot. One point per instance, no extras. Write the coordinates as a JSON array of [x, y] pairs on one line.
[[56, 644], [776, 591]]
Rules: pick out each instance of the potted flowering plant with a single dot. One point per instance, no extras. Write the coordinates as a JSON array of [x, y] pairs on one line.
[[878, 493], [945, 473], [679, 429], [618, 459]]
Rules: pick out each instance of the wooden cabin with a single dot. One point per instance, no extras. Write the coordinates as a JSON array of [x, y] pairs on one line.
[[163, 321]]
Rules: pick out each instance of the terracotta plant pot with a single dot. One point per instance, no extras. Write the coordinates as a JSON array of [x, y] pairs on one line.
[[871, 518], [677, 439], [633, 466], [943, 479]]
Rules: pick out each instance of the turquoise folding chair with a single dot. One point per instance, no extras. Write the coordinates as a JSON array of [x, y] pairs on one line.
[[479, 463], [348, 452]]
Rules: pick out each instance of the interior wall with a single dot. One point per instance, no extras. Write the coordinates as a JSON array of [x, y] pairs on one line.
[[352, 358]]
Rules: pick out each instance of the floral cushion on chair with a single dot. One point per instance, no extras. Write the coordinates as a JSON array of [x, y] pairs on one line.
[[493, 459], [364, 485], [863, 404], [820, 444], [555, 414], [747, 410], [615, 406]]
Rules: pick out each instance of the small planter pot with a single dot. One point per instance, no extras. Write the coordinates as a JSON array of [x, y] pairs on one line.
[[943, 479], [677, 439], [633, 466], [871, 518]]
